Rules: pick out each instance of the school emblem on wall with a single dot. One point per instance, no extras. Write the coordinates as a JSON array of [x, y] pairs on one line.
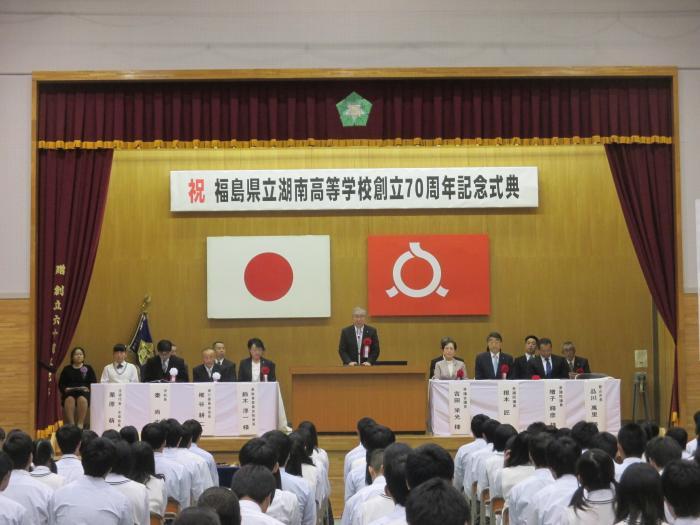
[[354, 110]]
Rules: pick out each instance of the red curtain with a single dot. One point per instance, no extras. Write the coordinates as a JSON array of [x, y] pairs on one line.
[[72, 195]]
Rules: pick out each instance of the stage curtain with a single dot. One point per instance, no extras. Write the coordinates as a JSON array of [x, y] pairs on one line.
[[72, 196], [303, 113]]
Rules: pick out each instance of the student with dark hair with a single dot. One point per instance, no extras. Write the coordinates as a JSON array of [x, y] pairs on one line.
[[295, 484], [224, 502], [119, 371], [135, 492], [631, 441], [436, 502], [197, 516], [129, 434], [606, 442], [301, 464], [33, 495], [660, 451], [520, 500], [516, 466], [69, 439], [176, 442], [177, 481], [256, 368], [593, 502], [680, 436], [492, 466], [90, 499], [639, 497], [86, 436], [474, 460], [583, 433], [315, 474], [318, 455], [254, 485], [681, 486], [389, 506], [378, 437], [12, 512], [112, 434], [465, 451], [144, 471], [692, 445], [195, 429], [651, 429], [562, 455], [428, 461], [44, 465], [363, 425], [352, 514]]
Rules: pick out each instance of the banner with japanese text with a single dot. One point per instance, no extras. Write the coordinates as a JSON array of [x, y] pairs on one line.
[[205, 407], [459, 398], [352, 189]]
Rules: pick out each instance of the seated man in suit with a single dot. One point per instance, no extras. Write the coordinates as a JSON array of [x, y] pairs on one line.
[[547, 366], [228, 368], [493, 363], [159, 366], [449, 367], [520, 363], [575, 365], [255, 368], [359, 343], [204, 373], [434, 361]]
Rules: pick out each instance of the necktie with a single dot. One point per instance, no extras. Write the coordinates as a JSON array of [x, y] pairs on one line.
[[548, 368], [165, 366], [494, 358]]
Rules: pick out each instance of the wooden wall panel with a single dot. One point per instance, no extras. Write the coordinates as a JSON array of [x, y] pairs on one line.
[[689, 361], [566, 270], [16, 357]]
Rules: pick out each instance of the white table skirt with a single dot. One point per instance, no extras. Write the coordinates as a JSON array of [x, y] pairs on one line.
[[484, 400], [136, 411]]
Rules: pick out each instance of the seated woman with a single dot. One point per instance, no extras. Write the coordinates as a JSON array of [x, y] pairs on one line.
[[74, 384], [255, 368], [449, 367]]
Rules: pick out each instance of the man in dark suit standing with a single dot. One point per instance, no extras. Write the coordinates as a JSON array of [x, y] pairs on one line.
[[158, 367], [574, 364], [520, 363], [546, 365], [227, 367], [493, 363], [359, 343], [256, 368]]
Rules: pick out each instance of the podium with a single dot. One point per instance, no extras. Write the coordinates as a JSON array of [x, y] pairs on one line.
[[335, 397]]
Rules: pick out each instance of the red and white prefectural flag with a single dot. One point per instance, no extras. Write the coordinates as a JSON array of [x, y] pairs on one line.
[[268, 277], [428, 275]]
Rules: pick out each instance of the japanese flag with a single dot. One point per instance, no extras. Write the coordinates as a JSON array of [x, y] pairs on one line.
[[268, 277]]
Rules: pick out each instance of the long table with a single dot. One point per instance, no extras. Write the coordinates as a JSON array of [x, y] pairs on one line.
[[561, 402], [223, 409]]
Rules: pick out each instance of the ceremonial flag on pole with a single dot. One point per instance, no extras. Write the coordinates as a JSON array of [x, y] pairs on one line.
[[141, 344]]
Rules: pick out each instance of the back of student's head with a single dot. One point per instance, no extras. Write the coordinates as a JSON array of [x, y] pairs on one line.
[[68, 438], [537, 448], [395, 456], [379, 436], [280, 441], [112, 435], [5, 469], [98, 457], [651, 429], [86, 436], [123, 458], [258, 451], [436, 502], [595, 470], [42, 455], [681, 486], [18, 446], [197, 516], [129, 434], [173, 432], [583, 433], [224, 502], [536, 427], [562, 455], [364, 426], [154, 435], [254, 482], [639, 497], [144, 462], [662, 450], [477, 425], [489, 429], [632, 439], [428, 461], [503, 433], [606, 442], [678, 434], [185, 436], [309, 427], [298, 454], [517, 447], [376, 460], [194, 427]]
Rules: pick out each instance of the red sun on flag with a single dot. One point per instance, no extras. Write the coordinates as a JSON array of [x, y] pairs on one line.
[[418, 275]]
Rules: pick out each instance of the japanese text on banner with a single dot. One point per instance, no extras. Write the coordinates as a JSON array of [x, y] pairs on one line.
[[554, 409], [508, 402], [460, 407], [594, 401], [159, 405], [247, 408], [114, 405], [205, 407]]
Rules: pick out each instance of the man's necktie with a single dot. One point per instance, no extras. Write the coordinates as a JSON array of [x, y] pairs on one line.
[[548, 368], [495, 365]]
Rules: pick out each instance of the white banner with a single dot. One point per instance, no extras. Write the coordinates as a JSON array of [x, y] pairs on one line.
[[460, 408], [247, 408], [508, 402], [114, 405], [555, 412], [159, 403], [205, 407], [352, 189], [594, 401]]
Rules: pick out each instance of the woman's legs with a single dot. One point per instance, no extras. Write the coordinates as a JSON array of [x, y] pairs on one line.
[[69, 410], [81, 411]]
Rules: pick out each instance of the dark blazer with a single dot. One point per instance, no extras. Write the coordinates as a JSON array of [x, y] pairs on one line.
[[520, 367], [347, 347], [245, 369], [559, 368], [483, 366], [431, 373], [200, 374], [228, 371], [152, 370], [579, 362]]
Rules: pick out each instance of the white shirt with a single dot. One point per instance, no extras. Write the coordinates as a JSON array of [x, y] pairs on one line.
[[211, 462], [552, 499], [489, 468], [355, 481], [127, 374], [90, 501], [508, 477], [396, 517], [285, 508], [13, 513], [351, 513], [70, 467], [301, 489], [520, 500], [251, 514], [621, 467], [177, 480], [461, 458], [600, 509], [376, 507], [687, 521], [472, 465], [47, 477], [136, 493], [157, 495], [33, 495], [691, 446], [198, 482], [312, 474], [255, 370], [357, 452], [317, 456]]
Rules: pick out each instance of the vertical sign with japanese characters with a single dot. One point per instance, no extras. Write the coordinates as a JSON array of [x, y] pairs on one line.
[[204, 407], [460, 408], [594, 401], [114, 405], [247, 409], [159, 394], [508, 402], [554, 412], [59, 294]]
